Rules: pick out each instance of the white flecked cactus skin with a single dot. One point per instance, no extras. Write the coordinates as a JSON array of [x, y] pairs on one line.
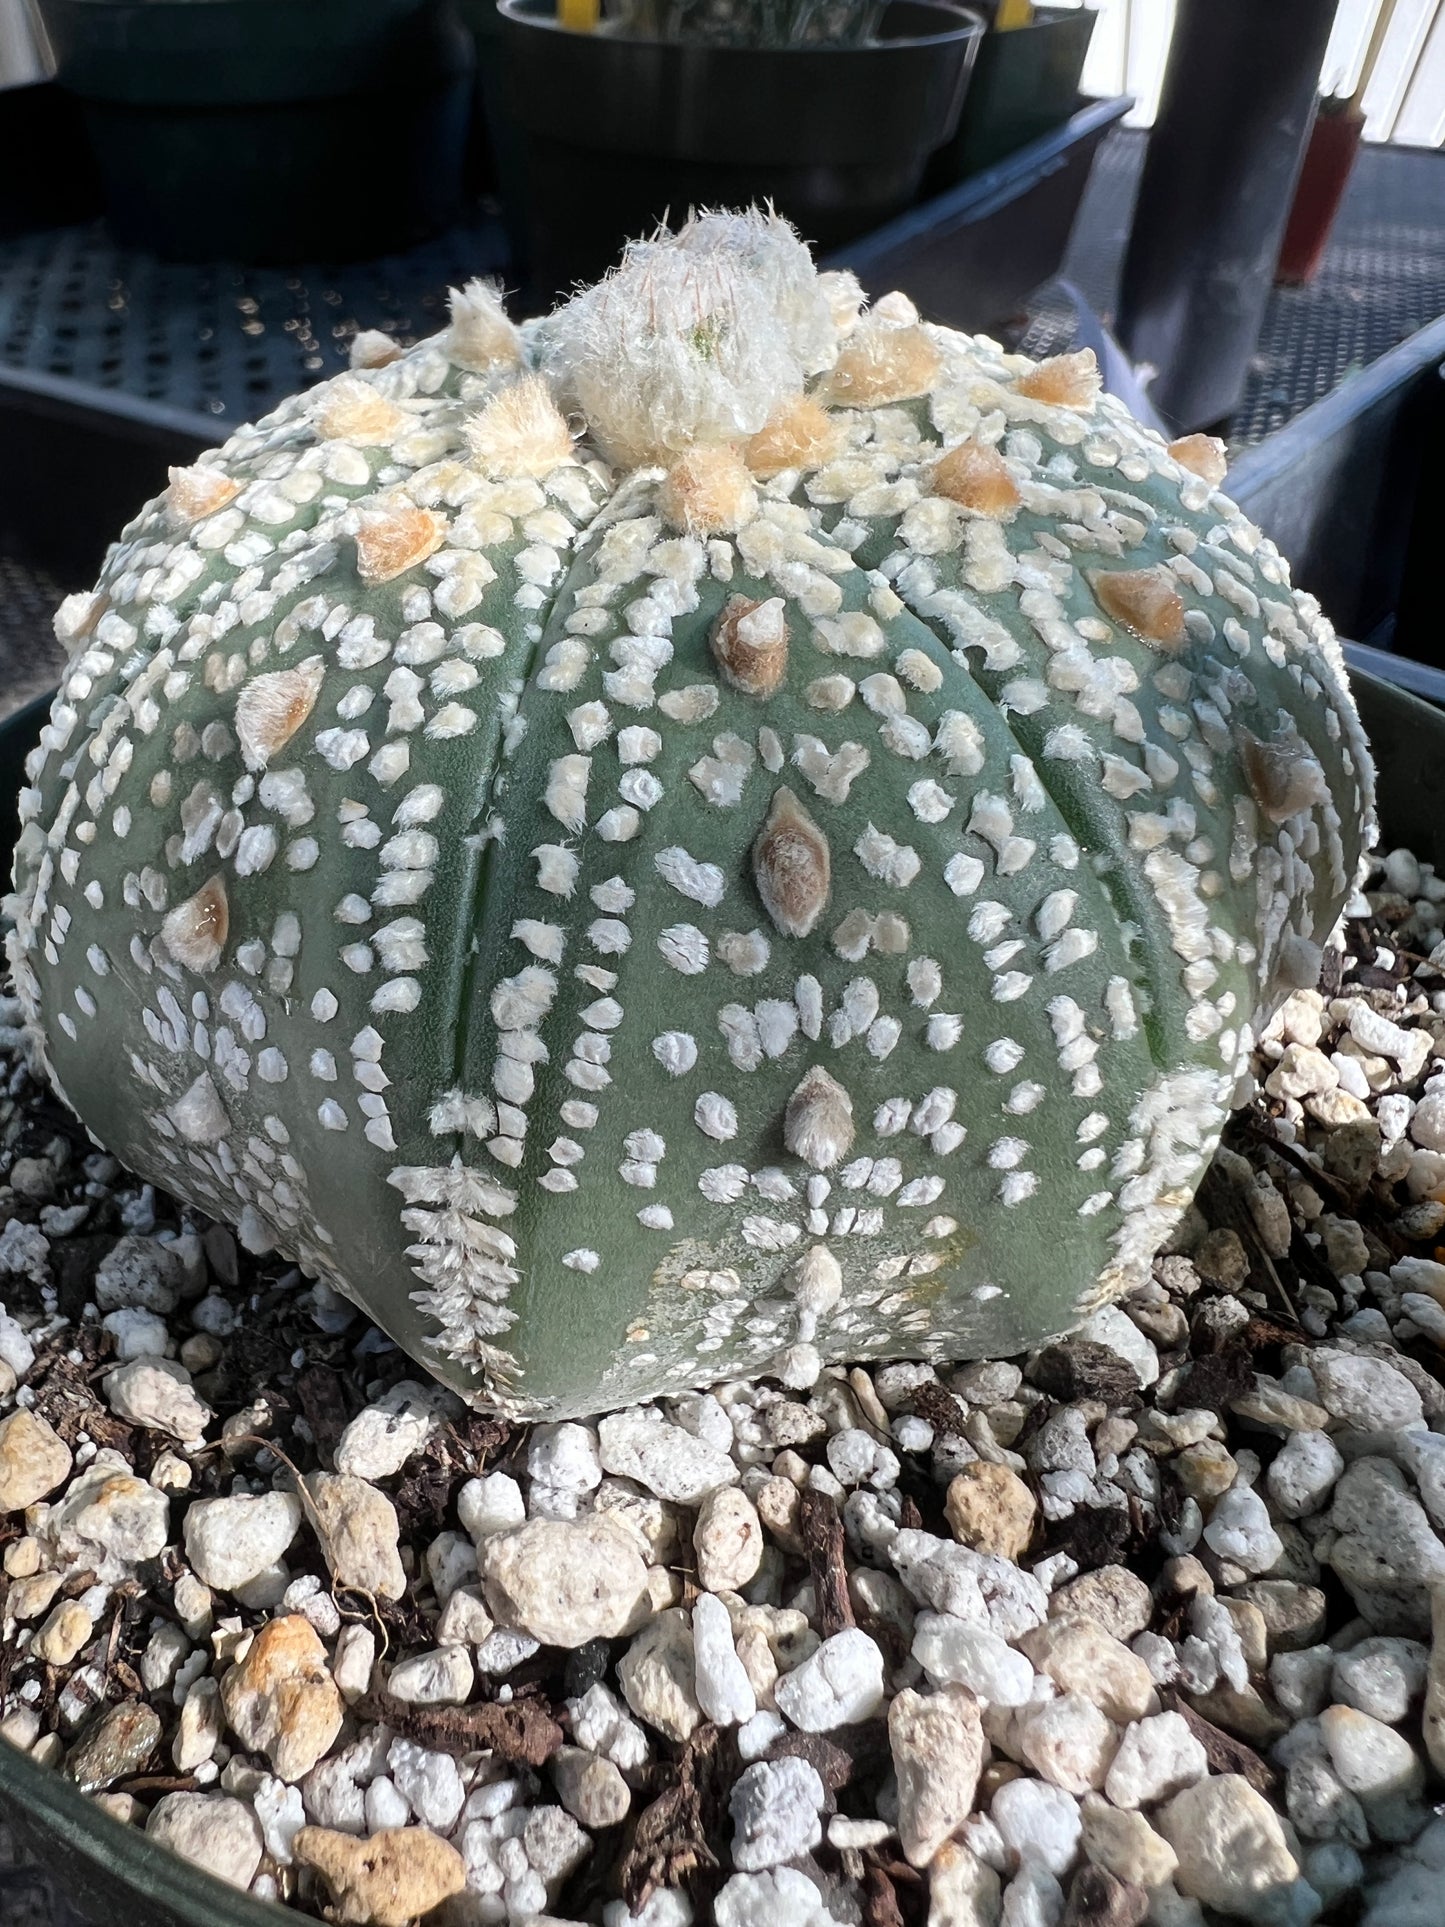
[[717, 834]]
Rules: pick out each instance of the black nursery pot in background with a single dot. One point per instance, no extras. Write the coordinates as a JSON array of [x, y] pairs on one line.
[[1025, 83], [617, 132], [270, 130]]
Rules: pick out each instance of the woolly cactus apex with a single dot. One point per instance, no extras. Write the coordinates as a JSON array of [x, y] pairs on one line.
[[697, 337], [631, 925]]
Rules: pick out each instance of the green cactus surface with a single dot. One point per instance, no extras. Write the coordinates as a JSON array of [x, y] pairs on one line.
[[723, 831]]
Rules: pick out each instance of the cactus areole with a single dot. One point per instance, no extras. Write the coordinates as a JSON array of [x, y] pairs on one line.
[[720, 832]]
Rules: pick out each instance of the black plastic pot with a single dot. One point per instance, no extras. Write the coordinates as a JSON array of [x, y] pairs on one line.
[[494, 143], [619, 133], [1025, 83], [270, 130], [971, 256]]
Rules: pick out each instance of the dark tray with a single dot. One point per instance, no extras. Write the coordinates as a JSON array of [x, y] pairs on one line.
[[1353, 494], [53, 532], [970, 257]]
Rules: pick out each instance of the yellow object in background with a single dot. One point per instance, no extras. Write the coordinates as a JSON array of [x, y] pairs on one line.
[[1011, 13], [581, 15]]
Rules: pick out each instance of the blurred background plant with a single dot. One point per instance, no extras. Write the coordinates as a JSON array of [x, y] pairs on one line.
[[749, 23]]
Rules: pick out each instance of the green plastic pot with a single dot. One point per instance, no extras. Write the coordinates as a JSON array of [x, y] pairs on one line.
[[111, 1872], [1025, 83], [270, 130]]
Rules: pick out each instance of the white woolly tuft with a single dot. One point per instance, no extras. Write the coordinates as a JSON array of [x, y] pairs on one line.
[[696, 337], [520, 431], [481, 336]]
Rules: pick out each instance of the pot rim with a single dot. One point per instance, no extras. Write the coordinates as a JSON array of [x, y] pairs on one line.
[[969, 23]]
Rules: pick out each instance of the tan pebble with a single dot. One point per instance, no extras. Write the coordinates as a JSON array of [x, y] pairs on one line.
[[728, 1540], [120, 1806], [991, 1509], [664, 1588], [591, 1789], [1068, 1742], [63, 1634], [171, 1473], [281, 1699], [22, 1557], [220, 1834], [29, 1598], [200, 1352], [359, 1531], [1232, 1848], [1082, 1658], [1249, 1623], [778, 1502], [1333, 1108], [1270, 1404], [34, 1460], [963, 1891], [566, 1581], [1186, 1575], [1125, 1844], [21, 1728], [1111, 1596], [758, 1661], [870, 1405], [1206, 1470], [1248, 1715], [937, 1747], [657, 1676], [387, 1880]]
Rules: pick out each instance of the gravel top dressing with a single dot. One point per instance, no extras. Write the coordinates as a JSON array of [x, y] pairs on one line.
[[1134, 1628]]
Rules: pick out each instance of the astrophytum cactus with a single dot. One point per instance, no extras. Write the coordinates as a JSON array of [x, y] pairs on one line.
[[722, 832]]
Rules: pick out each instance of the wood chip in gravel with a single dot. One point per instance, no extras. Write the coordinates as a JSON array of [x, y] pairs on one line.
[[522, 1732], [680, 1837], [821, 1530], [1226, 1754], [1077, 1368]]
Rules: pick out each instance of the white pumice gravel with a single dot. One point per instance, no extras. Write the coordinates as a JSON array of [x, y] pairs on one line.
[[1146, 1627]]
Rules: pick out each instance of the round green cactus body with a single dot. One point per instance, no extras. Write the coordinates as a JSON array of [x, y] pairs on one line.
[[719, 833]]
